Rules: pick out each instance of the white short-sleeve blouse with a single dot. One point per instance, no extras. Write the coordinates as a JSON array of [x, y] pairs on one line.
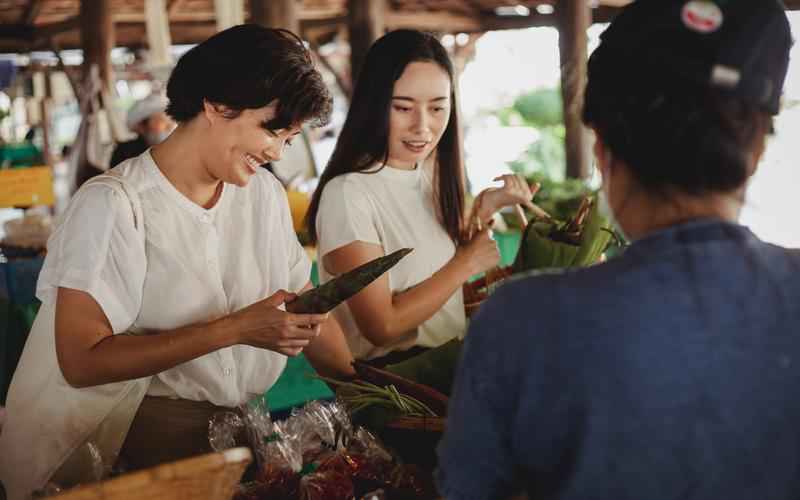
[[152, 260]]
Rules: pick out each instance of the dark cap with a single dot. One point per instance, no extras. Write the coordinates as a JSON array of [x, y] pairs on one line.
[[738, 46]]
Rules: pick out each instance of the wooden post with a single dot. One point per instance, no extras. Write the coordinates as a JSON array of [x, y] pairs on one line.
[[574, 18], [97, 38], [365, 21], [229, 13], [275, 14], [158, 36], [47, 154]]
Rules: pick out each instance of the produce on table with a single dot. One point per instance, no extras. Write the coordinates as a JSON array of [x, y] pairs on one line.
[[325, 297], [339, 462]]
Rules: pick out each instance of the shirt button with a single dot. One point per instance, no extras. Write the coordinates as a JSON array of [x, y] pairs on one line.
[[227, 372]]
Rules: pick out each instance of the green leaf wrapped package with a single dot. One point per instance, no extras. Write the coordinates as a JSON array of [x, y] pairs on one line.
[[557, 245], [325, 297]]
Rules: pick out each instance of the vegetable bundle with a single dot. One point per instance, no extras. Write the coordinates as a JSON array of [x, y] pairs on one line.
[[325, 297], [578, 242]]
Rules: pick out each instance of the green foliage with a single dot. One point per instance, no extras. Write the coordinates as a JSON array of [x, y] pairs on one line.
[[545, 159], [540, 108], [546, 155]]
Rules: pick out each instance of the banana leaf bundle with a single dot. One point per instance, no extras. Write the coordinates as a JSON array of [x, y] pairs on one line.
[[578, 242], [325, 297], [434, 368]]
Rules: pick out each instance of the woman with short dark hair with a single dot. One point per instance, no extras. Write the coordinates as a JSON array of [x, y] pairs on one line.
[[396, 180], [671, 371], [163, 286]]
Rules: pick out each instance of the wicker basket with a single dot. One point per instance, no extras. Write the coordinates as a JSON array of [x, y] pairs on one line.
[[476, 292], [213, 476]]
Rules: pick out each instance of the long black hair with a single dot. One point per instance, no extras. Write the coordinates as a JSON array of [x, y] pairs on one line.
[[364, 140]]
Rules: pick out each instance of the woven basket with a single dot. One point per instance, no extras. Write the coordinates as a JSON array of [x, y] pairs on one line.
[[476, 292], [213, 476]]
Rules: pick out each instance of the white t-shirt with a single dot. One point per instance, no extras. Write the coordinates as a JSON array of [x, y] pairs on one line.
[[395, 209], [152, 260]]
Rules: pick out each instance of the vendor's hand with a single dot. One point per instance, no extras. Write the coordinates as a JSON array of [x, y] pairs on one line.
[[480, 254], [514, 191], [264, 325]]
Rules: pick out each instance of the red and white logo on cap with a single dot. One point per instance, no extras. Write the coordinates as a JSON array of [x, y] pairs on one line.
[[703, 16]]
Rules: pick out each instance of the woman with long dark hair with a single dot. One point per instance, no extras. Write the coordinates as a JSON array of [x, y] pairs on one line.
[[378, 194], [164, 284]]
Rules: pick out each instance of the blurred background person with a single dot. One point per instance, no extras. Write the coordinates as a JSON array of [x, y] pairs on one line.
[[148, 119]]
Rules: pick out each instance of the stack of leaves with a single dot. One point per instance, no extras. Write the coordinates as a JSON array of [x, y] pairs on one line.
[[434, 368]]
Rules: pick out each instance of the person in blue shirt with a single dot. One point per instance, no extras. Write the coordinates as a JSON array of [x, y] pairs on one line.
[[672, 371]]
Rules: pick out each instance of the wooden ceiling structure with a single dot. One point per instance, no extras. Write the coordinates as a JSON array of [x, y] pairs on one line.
[[98, 25], [28, 24]]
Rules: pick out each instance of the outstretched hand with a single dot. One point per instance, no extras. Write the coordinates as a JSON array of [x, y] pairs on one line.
[[514, 191]]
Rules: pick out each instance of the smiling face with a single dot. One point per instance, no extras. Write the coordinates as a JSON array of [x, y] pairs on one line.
[[419, 113], [240, 145]]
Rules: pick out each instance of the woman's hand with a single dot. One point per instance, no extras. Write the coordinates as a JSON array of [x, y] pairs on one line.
[[480, 254], [514, 191], [264, 325]]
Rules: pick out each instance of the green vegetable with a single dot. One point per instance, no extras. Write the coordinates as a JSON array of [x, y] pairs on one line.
[[359, 395], [578, 242], [435, 367], [325, 297]]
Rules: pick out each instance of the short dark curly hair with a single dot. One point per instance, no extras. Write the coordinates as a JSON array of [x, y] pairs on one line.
[[247, 67]]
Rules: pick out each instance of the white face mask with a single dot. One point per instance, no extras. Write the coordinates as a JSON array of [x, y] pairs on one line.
[[604, 207], [158, 138]]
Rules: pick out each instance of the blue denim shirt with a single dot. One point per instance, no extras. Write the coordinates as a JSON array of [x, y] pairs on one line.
[[672, 372]]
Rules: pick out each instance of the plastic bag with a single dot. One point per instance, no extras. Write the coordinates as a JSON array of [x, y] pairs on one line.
[[330, 484], [259, 428], [223, 428]]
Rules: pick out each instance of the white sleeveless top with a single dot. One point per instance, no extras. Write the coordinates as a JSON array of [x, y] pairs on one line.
[[152, 260]]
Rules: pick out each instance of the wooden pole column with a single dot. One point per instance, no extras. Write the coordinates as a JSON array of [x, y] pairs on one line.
[[365, 20], [275, 14], [574, 18], [45, 104], [97, 38]]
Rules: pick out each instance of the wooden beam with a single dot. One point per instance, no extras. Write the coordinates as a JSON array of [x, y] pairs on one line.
[[365, 25], [599, 14], [275, 14], [574, 18], [173, 6], [186, 16], [31, 12], [51, 30], [97, 38], [438, 21], [22, 32]]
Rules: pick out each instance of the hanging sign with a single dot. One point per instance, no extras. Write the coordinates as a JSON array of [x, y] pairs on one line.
[[25, 187]]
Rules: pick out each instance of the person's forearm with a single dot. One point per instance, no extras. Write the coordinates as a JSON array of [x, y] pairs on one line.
[[328, 353], [415, 306], [122, 357]]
